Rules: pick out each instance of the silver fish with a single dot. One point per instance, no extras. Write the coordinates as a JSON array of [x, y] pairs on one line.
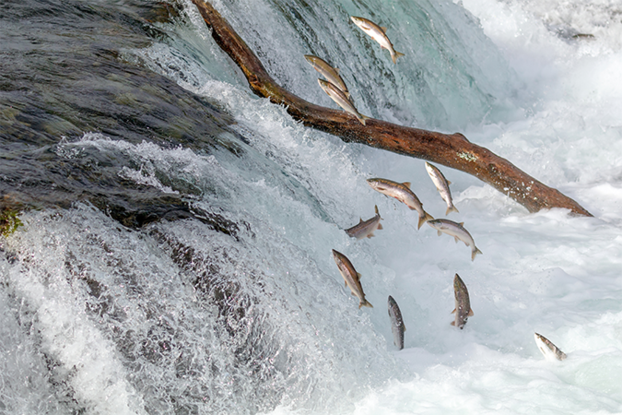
[[442, 185], [463, 304], [397, 324], [331, 74], [378, 34], [457, 231], [341, 99], [402, 192], [548, 349], [351, 277], [365, 228]]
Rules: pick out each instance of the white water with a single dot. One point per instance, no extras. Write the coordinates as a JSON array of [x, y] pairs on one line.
[[553, 110]]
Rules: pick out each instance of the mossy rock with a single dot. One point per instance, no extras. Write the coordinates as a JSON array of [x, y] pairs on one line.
[[9, 222]]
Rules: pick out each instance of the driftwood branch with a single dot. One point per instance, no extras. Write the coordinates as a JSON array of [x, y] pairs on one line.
[[451, 150]]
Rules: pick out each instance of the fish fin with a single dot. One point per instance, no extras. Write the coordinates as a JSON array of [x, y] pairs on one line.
[[453, 323], [448, 182], [407, 184], [426, 217], [404, 326], [371, 235], [461, 223], [336, 70], [354, 295], [470, 313], [384, 29], [345, 284], [358, 276], [453, 311], [380, 226], [360, 220], [439, 233], [475, 252], [456, 238], [347, 94], [376, 207], [396, 55], [362, 118], [451, 209], [366, 304]]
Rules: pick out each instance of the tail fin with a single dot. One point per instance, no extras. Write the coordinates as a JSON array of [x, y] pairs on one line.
[[475, 252], [365, 303], [396, 55], [451, 209], [362, 118], [423, 219]]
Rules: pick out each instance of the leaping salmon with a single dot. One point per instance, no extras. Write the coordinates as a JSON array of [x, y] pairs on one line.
[[341, 99], [365, 229], [397, 324], [442, 185], [457, 231], [548, 349], [402, 192], [351, 277], [378, 34], [331, 74], [463, 303]]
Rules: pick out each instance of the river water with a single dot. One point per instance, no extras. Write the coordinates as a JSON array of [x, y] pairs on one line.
[[175, 252]]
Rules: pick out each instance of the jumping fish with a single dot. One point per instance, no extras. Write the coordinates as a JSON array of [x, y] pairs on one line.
[[331, 74], [457, 231], [351, 277], [442, 185], [397, 324], [378, 34], [341, 99], [463, 304], [402, 192], [365, 228], [548, 349]]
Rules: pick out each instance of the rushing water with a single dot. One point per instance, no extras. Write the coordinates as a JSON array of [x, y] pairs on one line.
[[175, 253]]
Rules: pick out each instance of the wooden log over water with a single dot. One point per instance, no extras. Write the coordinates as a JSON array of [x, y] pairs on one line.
[[451, 150]]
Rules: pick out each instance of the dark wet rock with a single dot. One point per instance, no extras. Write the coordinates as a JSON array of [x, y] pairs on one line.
[[65, 71]]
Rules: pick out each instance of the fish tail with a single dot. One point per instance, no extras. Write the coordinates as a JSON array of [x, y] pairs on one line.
[[365, 303], [475, 252], [362, 118], [396, 55], [423, 219], [451, 209]]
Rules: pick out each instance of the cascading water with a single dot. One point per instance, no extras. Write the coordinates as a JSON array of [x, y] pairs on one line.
[[175, 256]]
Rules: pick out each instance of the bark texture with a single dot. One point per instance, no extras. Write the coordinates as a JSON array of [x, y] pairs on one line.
[[451, 150]]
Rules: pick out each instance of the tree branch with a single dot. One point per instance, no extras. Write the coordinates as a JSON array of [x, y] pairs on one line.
[[451, 150]]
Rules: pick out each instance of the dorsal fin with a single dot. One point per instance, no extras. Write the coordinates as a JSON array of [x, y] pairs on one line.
[[336, 70], [358, 276], [407, 184], [360, 220], [470, 312], [448, 182], [461, 223], [384, 29]]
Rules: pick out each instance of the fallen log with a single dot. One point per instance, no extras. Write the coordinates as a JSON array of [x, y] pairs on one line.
[[451, 150]]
